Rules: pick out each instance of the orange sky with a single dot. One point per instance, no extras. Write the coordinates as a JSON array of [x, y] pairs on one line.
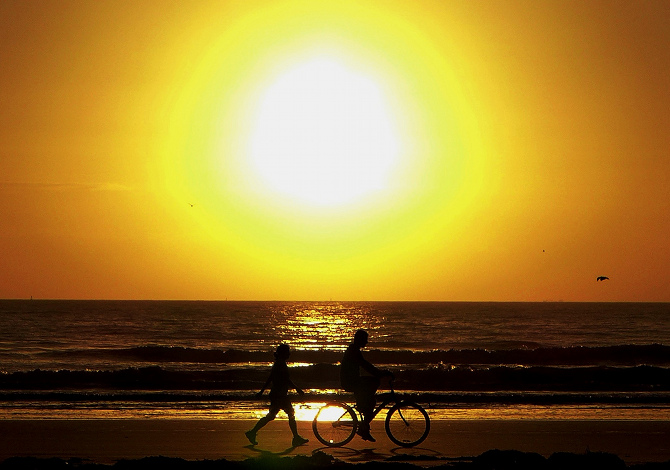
[[529, 150]]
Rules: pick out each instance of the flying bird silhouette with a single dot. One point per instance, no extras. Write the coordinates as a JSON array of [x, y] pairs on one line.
[[601, 278]]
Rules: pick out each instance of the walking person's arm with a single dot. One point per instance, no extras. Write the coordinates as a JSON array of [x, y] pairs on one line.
[[267, 383], [300, 391]]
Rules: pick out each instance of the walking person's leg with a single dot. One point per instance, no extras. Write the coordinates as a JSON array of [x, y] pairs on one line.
[[298, 440], [272, 414]]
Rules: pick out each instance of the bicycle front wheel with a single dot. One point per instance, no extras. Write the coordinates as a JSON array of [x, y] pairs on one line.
[[335, 424], [407, 424]]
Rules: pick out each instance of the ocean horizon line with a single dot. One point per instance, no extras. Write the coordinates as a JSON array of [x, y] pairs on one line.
[[65, 299]]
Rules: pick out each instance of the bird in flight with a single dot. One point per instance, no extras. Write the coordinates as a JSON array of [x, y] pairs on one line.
[[191, 204], [601, 278]]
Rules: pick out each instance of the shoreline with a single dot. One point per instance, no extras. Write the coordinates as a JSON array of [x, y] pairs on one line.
[[167, 406], [489, 460], [107, 441]]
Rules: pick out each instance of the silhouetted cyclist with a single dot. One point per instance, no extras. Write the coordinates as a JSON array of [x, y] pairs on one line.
[[363, 386]]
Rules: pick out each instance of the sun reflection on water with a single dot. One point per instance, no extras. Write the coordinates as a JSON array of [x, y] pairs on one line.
[[322, 326]]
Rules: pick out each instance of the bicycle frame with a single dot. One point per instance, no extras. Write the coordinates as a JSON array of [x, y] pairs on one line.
[[387, 399], [350, 418]]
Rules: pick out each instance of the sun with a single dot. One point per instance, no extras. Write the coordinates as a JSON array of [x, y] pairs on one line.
[[324, 135]]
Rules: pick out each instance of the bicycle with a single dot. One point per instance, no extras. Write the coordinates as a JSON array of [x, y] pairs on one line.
[[407, 423]]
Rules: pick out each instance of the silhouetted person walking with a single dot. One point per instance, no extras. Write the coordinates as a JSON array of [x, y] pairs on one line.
[[363, 386], [279, 399]]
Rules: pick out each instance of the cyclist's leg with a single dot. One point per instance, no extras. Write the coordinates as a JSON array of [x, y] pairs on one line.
[[365, 396], [365, 402]]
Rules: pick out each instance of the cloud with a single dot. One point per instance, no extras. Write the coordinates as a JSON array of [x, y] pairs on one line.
[[67, 186], [110, 187]]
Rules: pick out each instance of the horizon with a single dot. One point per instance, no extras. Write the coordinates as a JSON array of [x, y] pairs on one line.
[[347, 301]]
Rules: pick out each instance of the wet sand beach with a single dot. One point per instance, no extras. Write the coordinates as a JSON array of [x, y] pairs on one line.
[[103, 441]]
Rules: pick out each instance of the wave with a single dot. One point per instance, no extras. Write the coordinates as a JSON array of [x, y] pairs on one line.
[[528, 355], [625, 355], [326, 376], [433, 398]]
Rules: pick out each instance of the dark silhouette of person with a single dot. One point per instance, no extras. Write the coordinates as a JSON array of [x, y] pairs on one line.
[[363, 386], [279, 399]]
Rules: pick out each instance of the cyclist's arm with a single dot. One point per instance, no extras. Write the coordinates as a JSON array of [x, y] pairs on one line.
[[371, 369]]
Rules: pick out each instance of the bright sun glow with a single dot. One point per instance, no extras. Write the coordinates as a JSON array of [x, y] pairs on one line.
[[324, 135]]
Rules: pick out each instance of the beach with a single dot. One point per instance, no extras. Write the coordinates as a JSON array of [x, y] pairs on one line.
[[106, 441], [103, 382]]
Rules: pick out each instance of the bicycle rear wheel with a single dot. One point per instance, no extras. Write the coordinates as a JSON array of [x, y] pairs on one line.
[[407, 424], [335, 424]]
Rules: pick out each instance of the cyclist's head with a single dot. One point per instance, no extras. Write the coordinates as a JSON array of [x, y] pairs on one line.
[[283, 352], [361, 338]]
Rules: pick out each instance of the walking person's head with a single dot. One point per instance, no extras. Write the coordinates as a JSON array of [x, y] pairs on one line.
[[283, 352], [361, 338]]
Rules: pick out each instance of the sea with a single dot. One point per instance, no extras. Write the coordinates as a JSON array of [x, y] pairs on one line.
[[78, 359]]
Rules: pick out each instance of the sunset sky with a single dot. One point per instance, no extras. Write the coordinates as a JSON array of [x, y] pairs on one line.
[[346, 150]]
